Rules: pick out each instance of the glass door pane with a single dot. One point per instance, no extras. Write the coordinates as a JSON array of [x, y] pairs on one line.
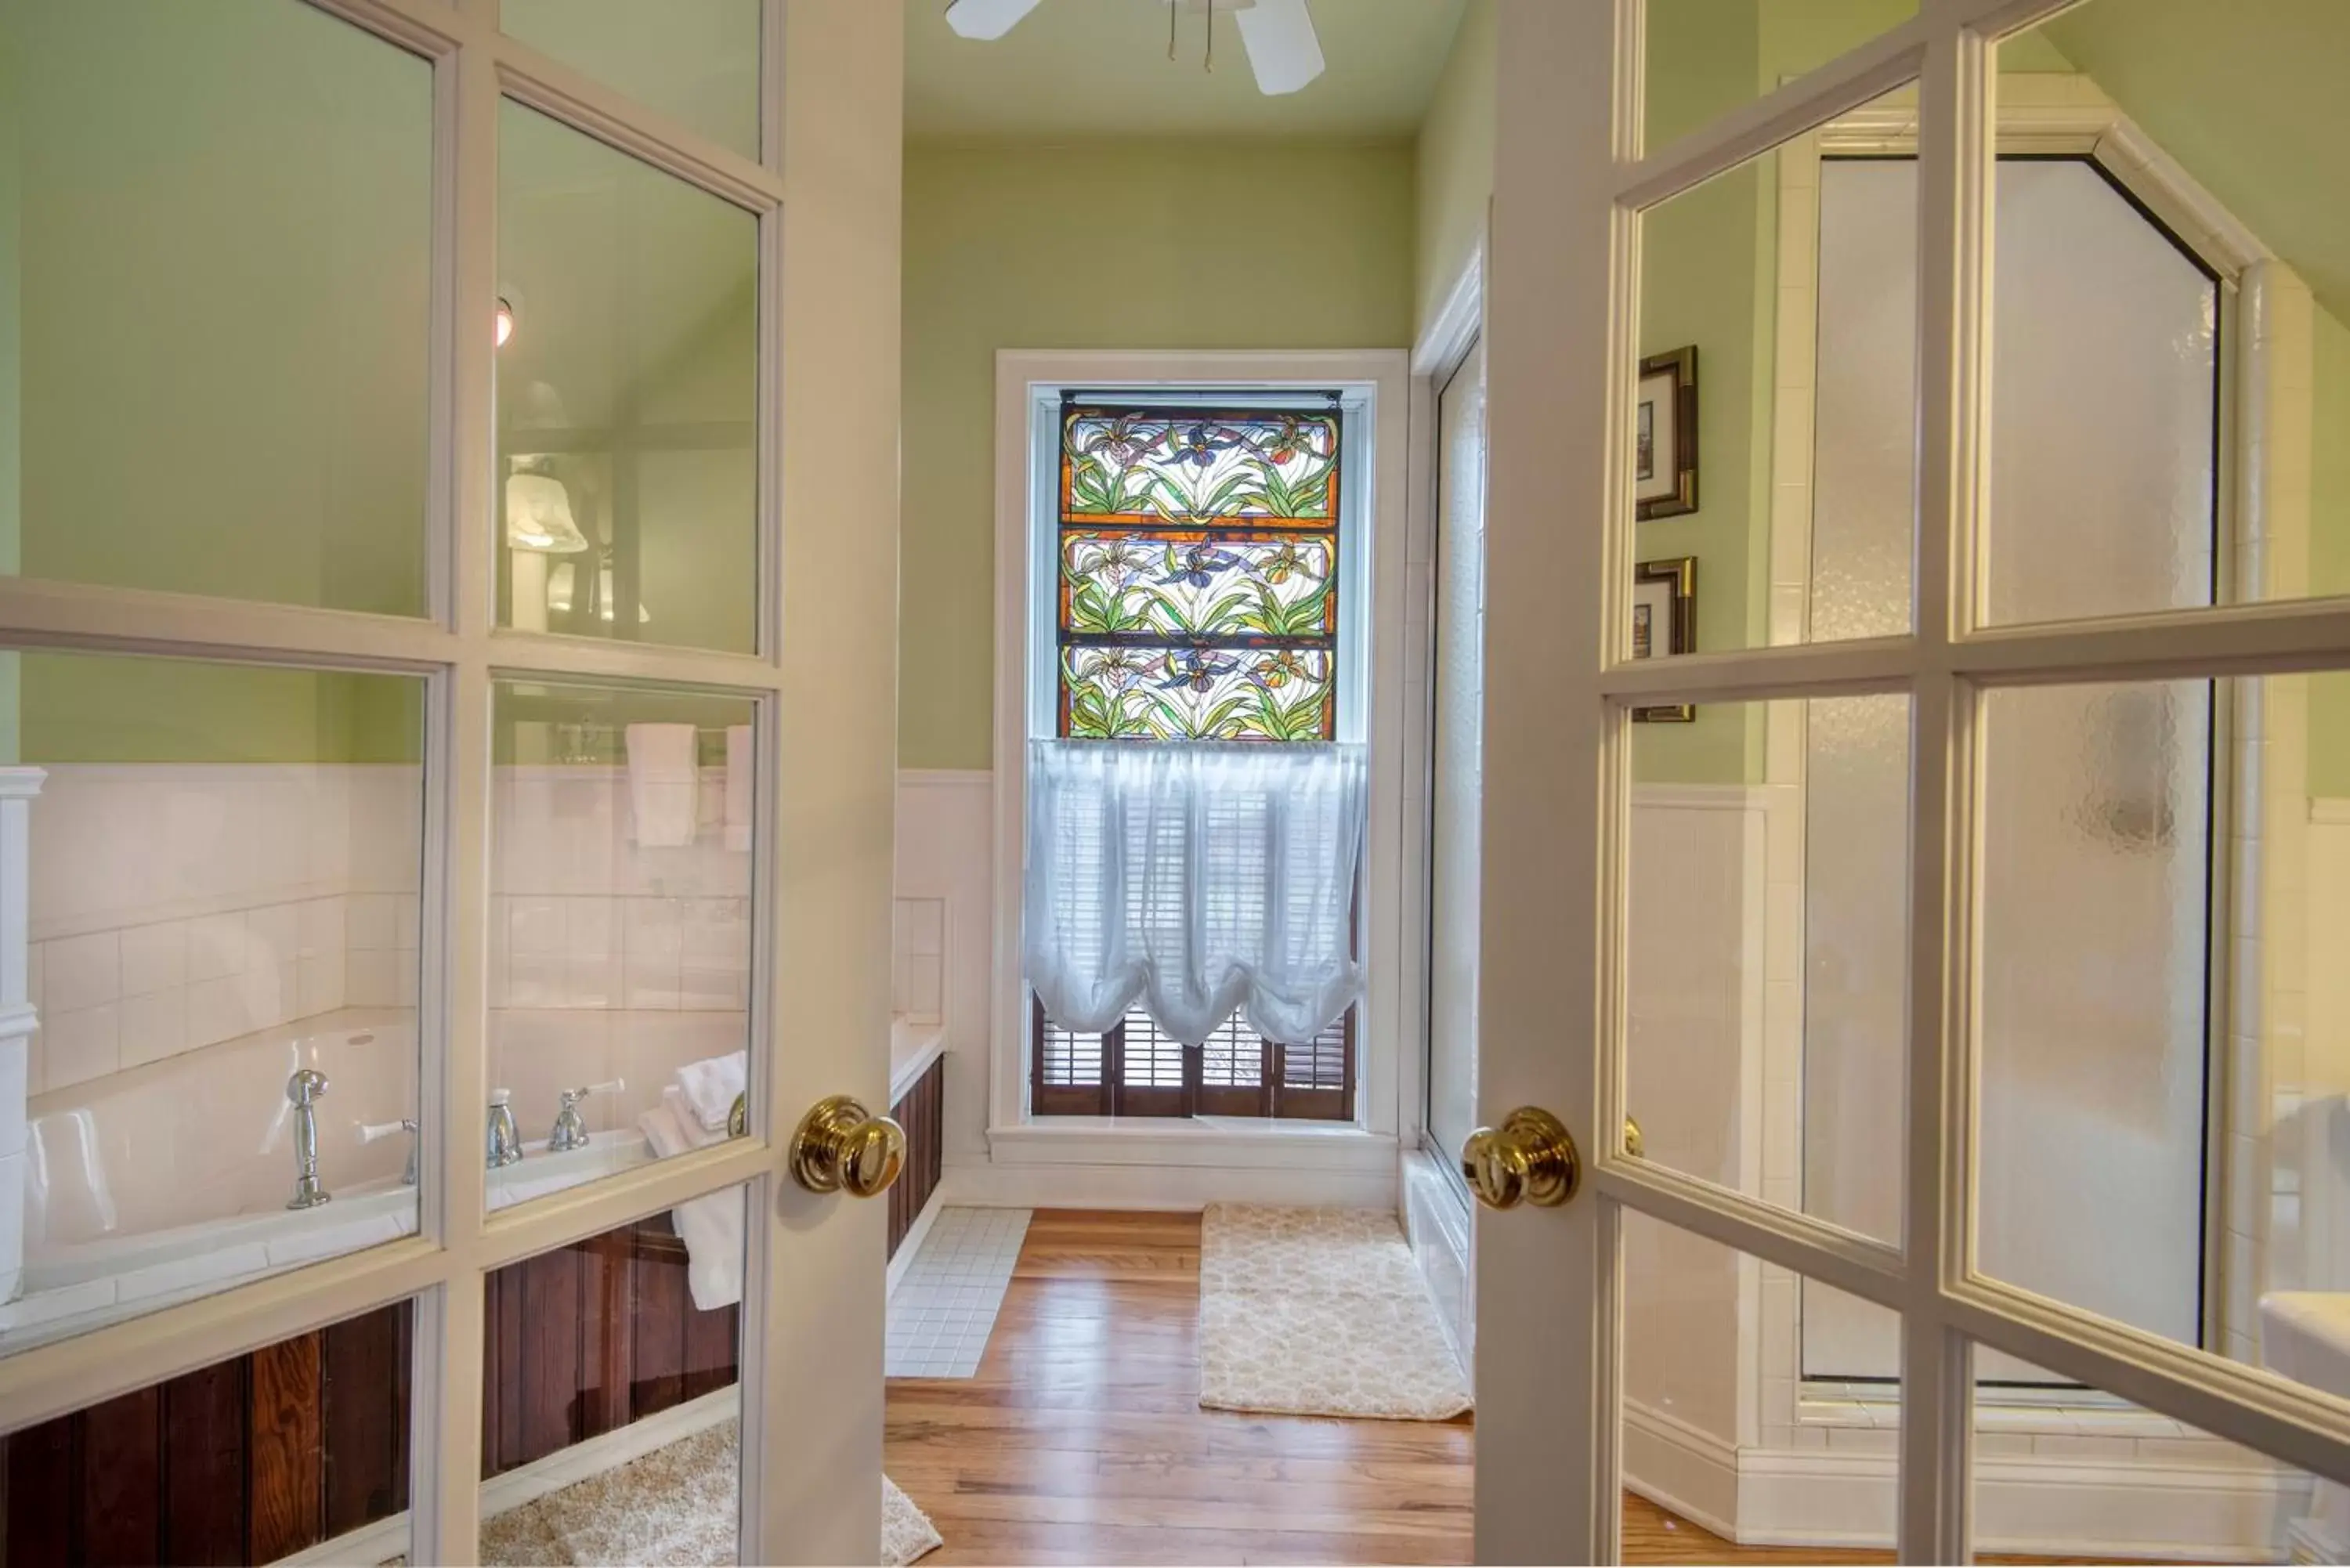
[[1456, 754], [696, 61], [225, 862], [628, 388], [621, 1353], [217, 229], [619, 930]]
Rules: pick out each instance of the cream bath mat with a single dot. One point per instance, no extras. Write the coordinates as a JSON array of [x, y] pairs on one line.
[[675, 1505], [1319, 1311]]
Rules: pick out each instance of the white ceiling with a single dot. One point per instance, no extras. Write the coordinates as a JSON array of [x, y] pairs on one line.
[[1099, 67]]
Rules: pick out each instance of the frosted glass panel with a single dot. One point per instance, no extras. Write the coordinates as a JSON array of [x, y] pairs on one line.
[[1768, 953], [1458, 768], [2096, 910], [215, 258], [2105, 396], [696, 61]]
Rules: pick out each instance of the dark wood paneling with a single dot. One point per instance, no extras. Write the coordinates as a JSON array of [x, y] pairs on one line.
[[288, 1450], [547, 1394], [203, 1465], [363, 1395], [662, 1307], [43, 1490], [119, 1521], [713, 1355], [922, 1111]]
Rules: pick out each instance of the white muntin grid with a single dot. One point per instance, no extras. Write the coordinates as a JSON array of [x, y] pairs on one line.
[[824, 682]]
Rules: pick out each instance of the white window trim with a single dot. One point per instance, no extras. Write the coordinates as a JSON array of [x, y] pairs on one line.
[[1022, 376]]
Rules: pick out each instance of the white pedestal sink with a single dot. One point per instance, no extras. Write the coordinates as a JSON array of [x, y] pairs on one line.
[[2305, 1336]]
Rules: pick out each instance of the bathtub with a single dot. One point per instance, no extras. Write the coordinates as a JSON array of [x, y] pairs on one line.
[[169, 1180]]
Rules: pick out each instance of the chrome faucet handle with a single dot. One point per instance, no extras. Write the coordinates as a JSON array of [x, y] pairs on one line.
[[505, 1142], [570, 1131], [303, 1090], [375, 1130]]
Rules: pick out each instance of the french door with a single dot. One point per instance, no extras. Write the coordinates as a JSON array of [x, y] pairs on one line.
[[586, 385], [2132, 724]]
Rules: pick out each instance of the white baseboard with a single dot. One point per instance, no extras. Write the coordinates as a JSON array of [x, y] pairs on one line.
[[1180, 1188], [1682, 1469], [2133, 1511], [903, 1259], [528, 1483]]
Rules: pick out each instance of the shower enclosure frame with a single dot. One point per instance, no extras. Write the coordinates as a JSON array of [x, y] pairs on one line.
[[1571, 181]]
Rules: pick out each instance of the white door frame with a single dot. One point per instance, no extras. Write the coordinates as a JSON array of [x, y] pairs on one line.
[[824, 681], [1570, 180]]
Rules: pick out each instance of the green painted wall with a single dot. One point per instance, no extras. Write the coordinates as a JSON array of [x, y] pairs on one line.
[[101, 708], [1454, 175], [1145, 245]]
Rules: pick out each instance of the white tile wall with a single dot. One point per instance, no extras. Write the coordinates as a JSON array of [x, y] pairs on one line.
[[918, 960]]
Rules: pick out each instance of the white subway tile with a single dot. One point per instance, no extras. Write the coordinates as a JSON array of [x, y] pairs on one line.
[[369, 978], [715, 930], [408, 915], [591, 927], [77, 1046], [407, 980], [154, 958], [273, 936], [369, 921], [318, 986], [592, 980], [215, 945], [536, 925], [650, 982], [154, 1026], [324, 930], [2074, 1446], [219, 1009], [83, 971], [712, 987], [35, 967], [651, 929], [16, 1072], [535, 980]]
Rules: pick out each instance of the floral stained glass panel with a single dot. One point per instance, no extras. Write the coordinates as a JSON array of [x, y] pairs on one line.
[[1143, 692], [1199, 572]]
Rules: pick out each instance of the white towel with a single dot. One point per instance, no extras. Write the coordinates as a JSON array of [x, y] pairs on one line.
[[697, 1134], [664, 784], [710, 1087], [710, 1226], [739, 764]]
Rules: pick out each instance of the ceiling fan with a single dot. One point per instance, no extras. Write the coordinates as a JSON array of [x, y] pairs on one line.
[[1278, 34]]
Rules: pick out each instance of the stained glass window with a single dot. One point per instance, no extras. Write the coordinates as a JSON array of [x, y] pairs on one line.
[[1199, 572]]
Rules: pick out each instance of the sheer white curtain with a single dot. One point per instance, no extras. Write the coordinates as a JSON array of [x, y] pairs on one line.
[[1200, 878]]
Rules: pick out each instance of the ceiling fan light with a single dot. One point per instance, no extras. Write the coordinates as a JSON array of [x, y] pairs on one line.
[[986, 19]]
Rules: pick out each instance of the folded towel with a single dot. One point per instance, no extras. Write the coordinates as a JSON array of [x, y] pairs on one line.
[[739, 764], [710, 1226], [697, 1134], [664, 784], [710, 1087]]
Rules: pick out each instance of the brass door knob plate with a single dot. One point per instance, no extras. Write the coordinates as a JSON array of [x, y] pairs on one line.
[[1529, 1158], [842, 1146]]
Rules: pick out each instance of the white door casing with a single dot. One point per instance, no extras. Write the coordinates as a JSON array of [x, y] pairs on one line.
[[1570, 179], [826, 192]]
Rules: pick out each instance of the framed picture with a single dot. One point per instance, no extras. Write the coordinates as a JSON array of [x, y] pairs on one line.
[[1664, 436], [1664, 622]]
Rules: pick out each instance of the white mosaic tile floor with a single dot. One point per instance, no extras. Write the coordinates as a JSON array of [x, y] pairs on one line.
[[945, 1303]]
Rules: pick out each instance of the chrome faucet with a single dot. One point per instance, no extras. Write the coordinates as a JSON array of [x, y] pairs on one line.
[[305, 1089], [505, 1139], [569, 1131], [385, 1130]]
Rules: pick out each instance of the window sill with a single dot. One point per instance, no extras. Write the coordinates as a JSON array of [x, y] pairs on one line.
[[1231, 1142]]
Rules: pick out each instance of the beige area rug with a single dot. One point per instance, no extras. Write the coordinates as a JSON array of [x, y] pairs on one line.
[[1319, 1311], [675, 1505]]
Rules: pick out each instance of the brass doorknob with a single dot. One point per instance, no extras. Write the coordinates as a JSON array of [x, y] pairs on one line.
[[1529, 1158], [1636, 1142], [841, 1145]]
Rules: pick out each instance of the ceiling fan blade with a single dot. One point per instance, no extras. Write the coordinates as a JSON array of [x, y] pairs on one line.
[[1282, 49], [986, 18]]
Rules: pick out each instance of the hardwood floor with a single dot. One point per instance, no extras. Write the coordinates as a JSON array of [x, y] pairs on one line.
[[1082, 1439]]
